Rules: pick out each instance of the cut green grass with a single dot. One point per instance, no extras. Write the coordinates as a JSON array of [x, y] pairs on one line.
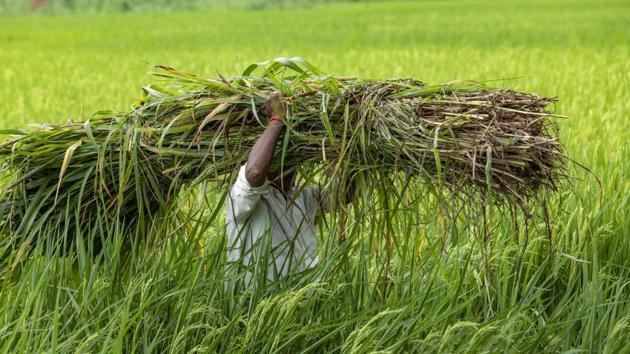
[[464, 140]]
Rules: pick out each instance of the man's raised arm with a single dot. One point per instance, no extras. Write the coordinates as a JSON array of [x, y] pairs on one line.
[[261, 155]]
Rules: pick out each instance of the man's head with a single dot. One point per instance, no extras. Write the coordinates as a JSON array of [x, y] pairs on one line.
[[282, 181]]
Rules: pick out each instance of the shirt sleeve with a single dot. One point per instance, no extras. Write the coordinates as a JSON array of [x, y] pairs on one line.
[[244, 197]]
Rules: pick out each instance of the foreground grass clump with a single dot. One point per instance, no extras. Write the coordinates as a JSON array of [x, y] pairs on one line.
[[460, 138]]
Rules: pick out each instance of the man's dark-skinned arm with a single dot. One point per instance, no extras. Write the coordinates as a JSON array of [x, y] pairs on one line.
[[261, 155]]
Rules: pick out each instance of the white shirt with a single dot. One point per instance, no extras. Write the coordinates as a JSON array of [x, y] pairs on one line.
[[265, 229]]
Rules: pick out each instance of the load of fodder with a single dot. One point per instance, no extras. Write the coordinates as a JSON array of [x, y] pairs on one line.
[[123, 168]]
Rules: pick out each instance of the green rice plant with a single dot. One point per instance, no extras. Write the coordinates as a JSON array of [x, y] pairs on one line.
[[121, 169]]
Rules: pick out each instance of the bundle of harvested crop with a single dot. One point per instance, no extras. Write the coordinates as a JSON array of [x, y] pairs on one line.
[[463, 136]]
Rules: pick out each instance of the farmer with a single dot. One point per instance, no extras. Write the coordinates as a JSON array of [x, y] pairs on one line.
[[271, 222]]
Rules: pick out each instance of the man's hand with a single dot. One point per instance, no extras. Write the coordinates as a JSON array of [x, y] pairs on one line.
[[275, 108]]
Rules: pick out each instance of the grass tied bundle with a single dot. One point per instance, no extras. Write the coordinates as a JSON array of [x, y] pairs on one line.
[[123, 168]]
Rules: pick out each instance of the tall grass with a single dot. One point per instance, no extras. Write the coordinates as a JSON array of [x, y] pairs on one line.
[[171, 295], [510, 296]]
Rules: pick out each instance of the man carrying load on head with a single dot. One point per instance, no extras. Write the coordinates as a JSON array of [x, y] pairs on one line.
[[271, 223]]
